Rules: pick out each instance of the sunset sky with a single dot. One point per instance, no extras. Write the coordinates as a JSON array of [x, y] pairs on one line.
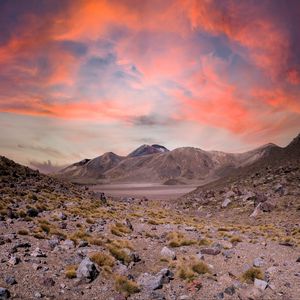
[[79, 78]]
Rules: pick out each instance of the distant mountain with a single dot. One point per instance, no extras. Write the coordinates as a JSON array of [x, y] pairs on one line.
[[147, 149], [156, 164], [91, 168]]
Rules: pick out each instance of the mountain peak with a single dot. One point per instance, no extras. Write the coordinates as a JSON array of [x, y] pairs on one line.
[[148, 149]]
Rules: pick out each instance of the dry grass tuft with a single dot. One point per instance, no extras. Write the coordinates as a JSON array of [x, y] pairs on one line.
[[251, 274], [102, 259], [126, 286], [178, 239]]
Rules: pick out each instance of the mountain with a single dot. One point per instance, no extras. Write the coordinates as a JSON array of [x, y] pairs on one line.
[[147, 149], [91, 168], [156, 164]]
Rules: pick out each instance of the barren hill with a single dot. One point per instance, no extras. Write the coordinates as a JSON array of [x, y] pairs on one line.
[[157, 164]]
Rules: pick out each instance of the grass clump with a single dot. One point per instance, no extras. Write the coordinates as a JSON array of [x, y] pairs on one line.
[[191, 268], [125, 286], [235, 239], [45, 228], [119, 254], [251, 274], [102, 259], [23, 232], [178, 239], [119, 229], [71, 272]]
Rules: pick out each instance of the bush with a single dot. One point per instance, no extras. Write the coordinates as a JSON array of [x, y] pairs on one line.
[[251, 274], [102, 259], [71, 272], [177, 239], [126, 286], [23, 232]]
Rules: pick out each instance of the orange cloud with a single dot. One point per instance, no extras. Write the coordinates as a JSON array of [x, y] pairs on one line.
[[250, 25], [106, 110]]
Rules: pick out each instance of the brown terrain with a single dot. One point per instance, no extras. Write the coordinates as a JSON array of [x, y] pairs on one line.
[[236, 237]]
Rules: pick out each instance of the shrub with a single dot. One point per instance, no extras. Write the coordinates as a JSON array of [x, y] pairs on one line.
[[119, 229], [23, 232], [102, 259], [126, 286], [200, 267], [235, 240], [251, 274], [71, 272], [119, 254], [177, 239], [45, 228]]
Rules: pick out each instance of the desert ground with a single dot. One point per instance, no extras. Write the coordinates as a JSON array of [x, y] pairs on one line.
[[235, 241], [152, 191]]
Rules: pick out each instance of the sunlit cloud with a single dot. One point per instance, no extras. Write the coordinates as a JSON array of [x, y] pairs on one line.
[[153, 68]]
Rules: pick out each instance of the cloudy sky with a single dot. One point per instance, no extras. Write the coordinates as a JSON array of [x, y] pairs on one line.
[[79, 78]]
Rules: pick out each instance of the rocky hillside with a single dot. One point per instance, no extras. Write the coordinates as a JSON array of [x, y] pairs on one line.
[[58, 241], [156, 164]]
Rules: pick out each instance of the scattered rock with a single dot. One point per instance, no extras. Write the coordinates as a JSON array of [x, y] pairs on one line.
[[87, 270], [38, 253], [48, 282], [14, 260], [4, 293], [211, 251], [11, 280], [230, 290], [32, 212], [153, 282], [260, 284], [258, 262], [168, 253], [225, 203], [68, 244]]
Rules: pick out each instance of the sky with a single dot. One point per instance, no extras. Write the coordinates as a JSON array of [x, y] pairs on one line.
[[80, 78]]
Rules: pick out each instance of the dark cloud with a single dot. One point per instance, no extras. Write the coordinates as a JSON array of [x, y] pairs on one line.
[[46, 167]]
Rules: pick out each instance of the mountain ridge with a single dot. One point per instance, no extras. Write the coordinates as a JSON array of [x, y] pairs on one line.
[[157, 164]]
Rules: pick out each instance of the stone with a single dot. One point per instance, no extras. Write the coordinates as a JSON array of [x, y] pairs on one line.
[[225, 244], [211, 251], [11, 280], [48, 282], [14, 260], [168, 253], [68, 244], [256, 211], [83, 244], [38, 295], [267, 206], [4, 293], [298, 259], [153, 282], [225, 203], [32, 212], [260, 284], [228, 253], [38, 253], [230, 290], [258, 262], [53, 243], [62, 216], [87, 270]]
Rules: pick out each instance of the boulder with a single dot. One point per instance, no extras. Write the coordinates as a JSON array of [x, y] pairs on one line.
[[258, 262], [151, 282], [38, 253], [225, 203], [168, 253], [260, 284], [32, 212], [4, 293], [211, 251], [87, 270]]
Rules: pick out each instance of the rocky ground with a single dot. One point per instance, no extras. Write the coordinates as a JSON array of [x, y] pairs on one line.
[[234, 240]]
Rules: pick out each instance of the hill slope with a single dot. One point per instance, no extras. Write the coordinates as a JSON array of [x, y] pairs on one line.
[[157, 164]]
